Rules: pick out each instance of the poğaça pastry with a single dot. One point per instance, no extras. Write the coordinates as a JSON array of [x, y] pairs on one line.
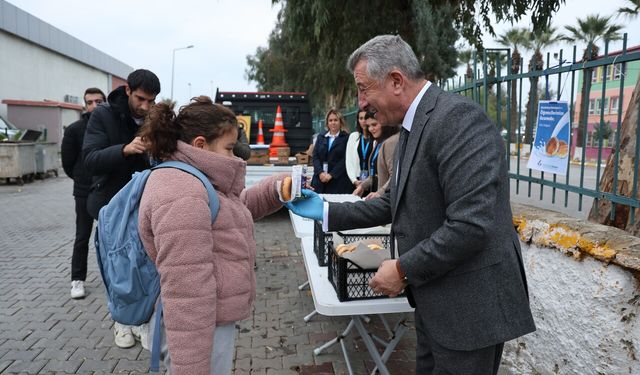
[[285, 189], [344, 248]]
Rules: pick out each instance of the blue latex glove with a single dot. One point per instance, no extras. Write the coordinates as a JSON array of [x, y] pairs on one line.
[[310, 205]]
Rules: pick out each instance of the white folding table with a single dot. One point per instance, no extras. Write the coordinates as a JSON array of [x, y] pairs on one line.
[[303, 227], [326, 303]]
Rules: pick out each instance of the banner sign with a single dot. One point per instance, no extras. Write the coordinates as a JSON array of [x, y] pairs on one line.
[[244, 122], [550, 151]]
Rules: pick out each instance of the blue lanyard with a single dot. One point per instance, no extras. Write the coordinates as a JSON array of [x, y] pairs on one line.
[[365, 150], [362, 145], [374, 158]]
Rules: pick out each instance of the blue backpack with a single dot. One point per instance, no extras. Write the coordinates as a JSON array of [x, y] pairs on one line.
[[130, 277]]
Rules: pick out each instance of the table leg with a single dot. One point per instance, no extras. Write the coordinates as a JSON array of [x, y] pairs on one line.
[[311, 315], [314, 312], [332, 342], [371, 346], [398, 332], [386, 325], [345, 354], [303, 285]]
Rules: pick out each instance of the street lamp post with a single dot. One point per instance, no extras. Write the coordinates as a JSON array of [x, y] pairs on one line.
[[173, 63], [189, 90]]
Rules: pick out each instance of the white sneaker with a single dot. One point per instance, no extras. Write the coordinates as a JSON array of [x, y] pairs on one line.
[[141, 333], [124, 337], [77, 289]]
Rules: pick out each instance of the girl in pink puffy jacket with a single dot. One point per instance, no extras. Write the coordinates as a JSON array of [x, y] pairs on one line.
[[206, 270]]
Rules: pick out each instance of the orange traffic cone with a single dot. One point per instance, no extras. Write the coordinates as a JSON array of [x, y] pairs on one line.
[[260, 140], [278, 134]]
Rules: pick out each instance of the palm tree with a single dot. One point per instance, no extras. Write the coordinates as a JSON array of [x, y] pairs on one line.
[[536, 42], [464, 57], [590, 30], [514, 38], [631, 12]]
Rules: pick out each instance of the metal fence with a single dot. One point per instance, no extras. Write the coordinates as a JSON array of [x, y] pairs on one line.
[[491, 82]]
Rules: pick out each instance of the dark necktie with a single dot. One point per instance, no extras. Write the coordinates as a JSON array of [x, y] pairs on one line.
[[404, 135]]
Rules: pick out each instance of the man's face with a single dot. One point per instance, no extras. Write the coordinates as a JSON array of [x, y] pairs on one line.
[[376, 97], [91, 101], [140, 102]]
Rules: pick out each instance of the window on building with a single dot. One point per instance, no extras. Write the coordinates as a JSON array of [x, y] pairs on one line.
[[592, 106], [605, 106], [614, 104], [617, 71], [594, 74], [608, 72]]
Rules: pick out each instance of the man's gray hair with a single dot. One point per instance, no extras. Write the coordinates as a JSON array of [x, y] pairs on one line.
[[385, 53]]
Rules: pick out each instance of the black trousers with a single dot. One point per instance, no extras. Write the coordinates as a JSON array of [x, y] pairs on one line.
[[84, 224], [434, 359]]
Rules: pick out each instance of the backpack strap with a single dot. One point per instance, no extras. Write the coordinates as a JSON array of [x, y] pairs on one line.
[[214, 203], [155, 345]]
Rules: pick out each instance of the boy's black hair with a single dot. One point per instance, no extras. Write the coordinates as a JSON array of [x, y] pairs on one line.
[[145, 80], [94, 90]]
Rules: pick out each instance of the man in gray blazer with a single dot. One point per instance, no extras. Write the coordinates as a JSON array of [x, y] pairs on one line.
[[459, 256]]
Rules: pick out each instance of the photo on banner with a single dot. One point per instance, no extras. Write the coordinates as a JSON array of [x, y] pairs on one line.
[[550, 151], [246, 122]]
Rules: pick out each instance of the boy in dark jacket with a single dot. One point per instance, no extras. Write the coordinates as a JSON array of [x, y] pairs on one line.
[[113, 152], [73, 165]]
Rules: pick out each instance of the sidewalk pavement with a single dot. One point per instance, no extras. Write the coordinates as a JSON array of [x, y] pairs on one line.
[[43, 331]]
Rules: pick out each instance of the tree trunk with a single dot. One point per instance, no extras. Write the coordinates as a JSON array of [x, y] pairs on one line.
[[532, 103], [340, 95], [601, 209], [585, 92], [584, 106], [515, 121]]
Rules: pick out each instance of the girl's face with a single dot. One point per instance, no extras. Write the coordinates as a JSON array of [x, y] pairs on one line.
[[223, 145], [374, 127], [363, 123], [361, 119], [333, 124]]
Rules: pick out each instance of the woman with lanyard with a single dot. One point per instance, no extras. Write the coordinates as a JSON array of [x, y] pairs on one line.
[[380, 162], [329, 171], [359, 148]]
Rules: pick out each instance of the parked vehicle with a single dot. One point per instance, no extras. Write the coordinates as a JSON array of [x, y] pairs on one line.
[[296, 114], [8, 131]]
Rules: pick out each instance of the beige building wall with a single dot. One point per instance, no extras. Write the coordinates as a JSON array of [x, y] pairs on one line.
[[31, 72]]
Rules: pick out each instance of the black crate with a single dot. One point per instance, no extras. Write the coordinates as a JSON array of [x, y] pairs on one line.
[[350, 281], [321, 243]]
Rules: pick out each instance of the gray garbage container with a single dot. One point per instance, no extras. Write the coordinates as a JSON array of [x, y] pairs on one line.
[[47, 158], [17, 161]]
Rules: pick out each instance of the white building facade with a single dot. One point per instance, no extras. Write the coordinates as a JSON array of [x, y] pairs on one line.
[[40, 63]]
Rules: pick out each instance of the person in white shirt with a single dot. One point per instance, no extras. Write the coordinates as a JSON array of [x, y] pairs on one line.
[[359, 148]]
